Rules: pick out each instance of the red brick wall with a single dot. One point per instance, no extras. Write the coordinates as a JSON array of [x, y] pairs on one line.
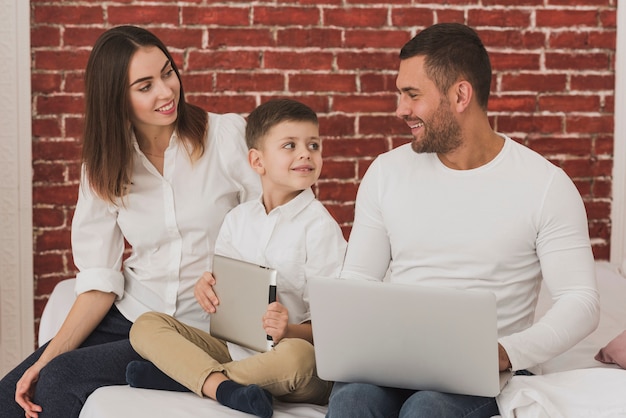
[[553, 88]]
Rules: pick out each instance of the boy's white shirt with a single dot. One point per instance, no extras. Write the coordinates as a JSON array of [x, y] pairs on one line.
[[299, 239]]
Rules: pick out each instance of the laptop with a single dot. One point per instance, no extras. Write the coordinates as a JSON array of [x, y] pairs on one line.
[[406, 336], [244, 290]]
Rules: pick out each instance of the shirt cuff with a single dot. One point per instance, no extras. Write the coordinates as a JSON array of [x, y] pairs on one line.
[[102, 279]]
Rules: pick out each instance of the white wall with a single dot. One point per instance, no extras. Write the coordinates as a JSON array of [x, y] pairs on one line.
[[618, 214], [16, 229]]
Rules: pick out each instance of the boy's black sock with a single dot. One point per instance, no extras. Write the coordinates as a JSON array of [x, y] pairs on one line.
[[251, 399], [144, 374]]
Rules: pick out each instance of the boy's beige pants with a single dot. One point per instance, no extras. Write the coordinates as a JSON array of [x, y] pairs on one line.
[[188, 355]]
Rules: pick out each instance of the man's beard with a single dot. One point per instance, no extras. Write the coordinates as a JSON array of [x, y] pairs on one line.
[[442, 132]]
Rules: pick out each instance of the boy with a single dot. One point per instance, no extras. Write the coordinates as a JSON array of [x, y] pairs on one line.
[[286, 229]]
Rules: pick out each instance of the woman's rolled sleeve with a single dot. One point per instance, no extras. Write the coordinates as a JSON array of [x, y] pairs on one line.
[[97, 244]]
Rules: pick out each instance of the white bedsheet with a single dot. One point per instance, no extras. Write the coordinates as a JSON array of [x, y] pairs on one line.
[[126, 402], [594, 392], [562, 385]]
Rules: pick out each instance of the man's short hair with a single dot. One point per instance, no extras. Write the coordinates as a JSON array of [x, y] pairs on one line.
[[452, 51], [273, 112]]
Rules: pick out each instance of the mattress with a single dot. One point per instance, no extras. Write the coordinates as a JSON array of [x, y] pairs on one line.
[[123, 401]]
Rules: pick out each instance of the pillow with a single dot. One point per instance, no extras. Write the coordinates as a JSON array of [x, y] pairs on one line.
[[614, 352]]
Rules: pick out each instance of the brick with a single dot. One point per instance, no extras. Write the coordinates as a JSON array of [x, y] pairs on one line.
[[219, 38], [343, 213], [46, 173], [44, 263], [81, 36], [322, 82], [547, 124], [53, 240], [337, 191], [48, 127], [214, 15], [524, 39], [412, 16], [245, 82], [74, 126], [356, 17], [309, 37], [45, 82], [376, 38], [368, 61], [354, 147], [227, 59], [603, 39], [56, 195], [602, 188], [510, 17], [50, 105], [513, 2], [603, 145], [512, 103], [365, 104], [338, 169], [60, 60], [179, 37], [569, 103], [74, 82], [335, 126], [608, 17], [556, 145], [534, 82], [587, 167], [576, 61], [44, 36], [54, 151], [284, 16], [376, 82], [143, 15], [372, 125], [589, 124], [592, 82], [296, 60], [67, 14], [568, 18], [514, 61], [224, 104], [450, 15]]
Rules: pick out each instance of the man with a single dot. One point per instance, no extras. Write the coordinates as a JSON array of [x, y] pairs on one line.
[[466, 207]]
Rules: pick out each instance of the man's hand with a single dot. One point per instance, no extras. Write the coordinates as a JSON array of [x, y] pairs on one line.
[[203, 291], [275, 321], [24, 391], [503, 359]]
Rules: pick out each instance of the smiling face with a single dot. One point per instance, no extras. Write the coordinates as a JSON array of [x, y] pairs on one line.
[[289, 159], [425, 110], [154, 90]]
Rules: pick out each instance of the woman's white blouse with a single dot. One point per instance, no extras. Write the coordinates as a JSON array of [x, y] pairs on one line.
[[169, 221]]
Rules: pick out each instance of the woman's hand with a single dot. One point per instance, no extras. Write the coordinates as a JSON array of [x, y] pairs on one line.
[[275, 321], [203, 291], [25, 389]]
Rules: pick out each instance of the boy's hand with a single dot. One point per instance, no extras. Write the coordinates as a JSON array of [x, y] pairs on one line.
[[275, 321], [203, 291]]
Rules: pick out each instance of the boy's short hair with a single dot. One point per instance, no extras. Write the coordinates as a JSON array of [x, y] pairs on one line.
[[273, 112]]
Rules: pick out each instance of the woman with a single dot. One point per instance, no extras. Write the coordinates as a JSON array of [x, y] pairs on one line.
[[158, 173]]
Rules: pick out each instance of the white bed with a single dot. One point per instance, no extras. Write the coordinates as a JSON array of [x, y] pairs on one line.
[[573, 384]]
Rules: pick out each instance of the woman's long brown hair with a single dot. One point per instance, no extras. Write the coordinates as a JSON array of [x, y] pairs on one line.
[[107, 139]]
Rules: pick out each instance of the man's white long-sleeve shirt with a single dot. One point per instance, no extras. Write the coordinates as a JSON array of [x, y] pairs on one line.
[[499, 227]]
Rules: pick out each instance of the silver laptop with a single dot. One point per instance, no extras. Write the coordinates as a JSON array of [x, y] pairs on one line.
[[406, 336], [244, 290]]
